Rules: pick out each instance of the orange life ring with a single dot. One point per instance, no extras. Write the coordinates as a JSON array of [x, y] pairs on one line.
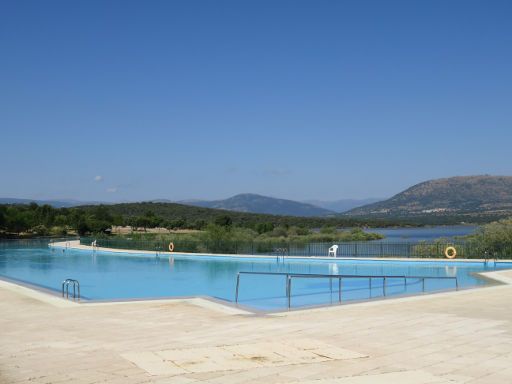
[[450, 252], [171, 247]]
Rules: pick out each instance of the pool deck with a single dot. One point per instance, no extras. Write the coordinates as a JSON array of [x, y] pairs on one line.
[[452, 337]]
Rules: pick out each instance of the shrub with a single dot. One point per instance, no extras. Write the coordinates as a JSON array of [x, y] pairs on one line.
[[326, 229], [494, 238], [40, 230], [264, 227]]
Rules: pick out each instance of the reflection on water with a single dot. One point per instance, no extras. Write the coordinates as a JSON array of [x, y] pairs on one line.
[[450, 271]]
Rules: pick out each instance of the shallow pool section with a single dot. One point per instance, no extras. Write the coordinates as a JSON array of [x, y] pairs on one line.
[[115, 276]]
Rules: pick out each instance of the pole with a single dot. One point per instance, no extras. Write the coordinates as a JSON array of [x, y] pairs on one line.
[[289, 291], [237, 285], [339, 289]]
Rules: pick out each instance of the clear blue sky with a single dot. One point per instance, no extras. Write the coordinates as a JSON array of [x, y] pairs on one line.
[[132, 100]]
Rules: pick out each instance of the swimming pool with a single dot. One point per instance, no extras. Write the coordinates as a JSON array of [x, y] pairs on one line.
[[115, 276]]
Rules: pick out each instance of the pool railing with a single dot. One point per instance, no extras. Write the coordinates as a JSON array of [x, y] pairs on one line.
[[289, 276], [356, 249]]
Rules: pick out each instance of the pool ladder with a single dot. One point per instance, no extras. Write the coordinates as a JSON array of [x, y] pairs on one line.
[[76, 288], [281, 254], [490, 261]]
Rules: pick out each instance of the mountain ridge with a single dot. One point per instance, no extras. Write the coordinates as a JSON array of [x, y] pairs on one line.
[[254, 203], [470, 195], [287, 206], [57, 203]]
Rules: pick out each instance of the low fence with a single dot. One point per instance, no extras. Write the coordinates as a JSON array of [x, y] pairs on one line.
[[347, 249], [38, 242]]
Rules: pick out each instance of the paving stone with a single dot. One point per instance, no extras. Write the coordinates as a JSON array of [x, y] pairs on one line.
[[153, 364], [464, 337]]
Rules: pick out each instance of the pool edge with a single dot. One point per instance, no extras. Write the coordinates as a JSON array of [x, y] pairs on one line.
[[48, 296]]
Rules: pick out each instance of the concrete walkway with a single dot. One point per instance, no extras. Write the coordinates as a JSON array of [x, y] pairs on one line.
[[457, 337]]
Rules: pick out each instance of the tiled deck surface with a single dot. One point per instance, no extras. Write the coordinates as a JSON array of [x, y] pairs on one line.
[[461, 337]]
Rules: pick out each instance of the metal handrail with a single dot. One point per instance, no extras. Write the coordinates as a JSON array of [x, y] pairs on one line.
[[76, 286], [290, 275], [369, 277], [313, 275]]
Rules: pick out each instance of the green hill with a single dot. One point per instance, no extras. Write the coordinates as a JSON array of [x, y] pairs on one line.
[[171, 212]]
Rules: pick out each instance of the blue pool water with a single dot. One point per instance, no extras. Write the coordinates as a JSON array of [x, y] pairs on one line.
[[105, 275]]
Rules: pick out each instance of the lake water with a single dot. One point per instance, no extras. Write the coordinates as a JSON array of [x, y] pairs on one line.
[[424, 233]]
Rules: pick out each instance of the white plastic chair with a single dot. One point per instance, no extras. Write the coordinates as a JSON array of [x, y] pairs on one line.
[[333, 251]]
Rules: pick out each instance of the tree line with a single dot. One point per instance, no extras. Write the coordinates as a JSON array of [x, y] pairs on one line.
[[44, 220]]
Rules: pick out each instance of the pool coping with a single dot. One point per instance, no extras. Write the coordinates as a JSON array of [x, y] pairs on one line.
[[53, 297]]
